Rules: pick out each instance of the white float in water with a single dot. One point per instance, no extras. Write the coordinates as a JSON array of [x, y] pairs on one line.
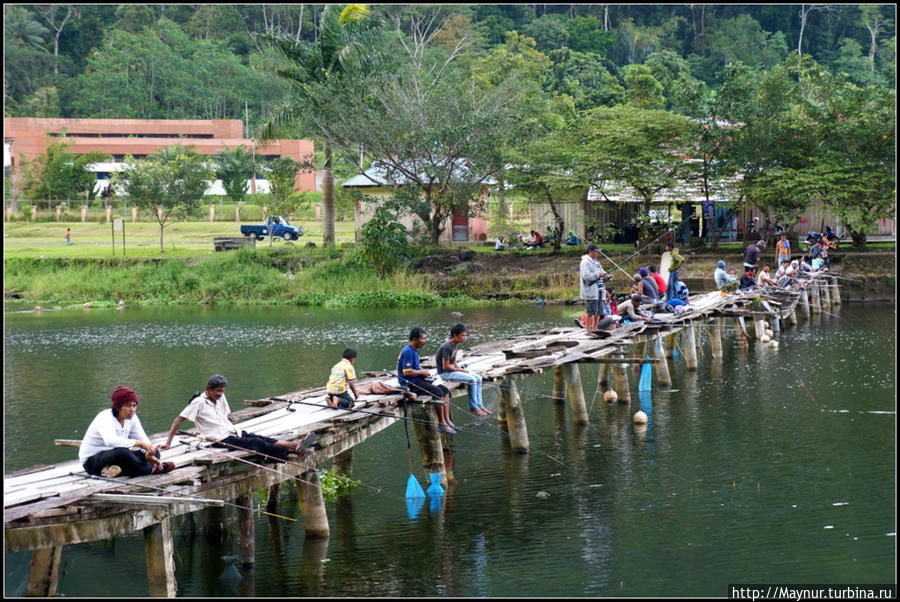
[[640, 417], [610, 396], [765, 338], [769, 333]]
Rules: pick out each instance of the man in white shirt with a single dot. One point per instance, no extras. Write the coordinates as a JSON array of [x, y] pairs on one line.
[[210, 410], [105, 448]]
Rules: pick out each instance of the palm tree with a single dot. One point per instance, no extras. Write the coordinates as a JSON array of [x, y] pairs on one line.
[[343, 46]]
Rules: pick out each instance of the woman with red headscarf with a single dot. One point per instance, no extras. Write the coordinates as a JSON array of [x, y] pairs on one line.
[[106, 447]]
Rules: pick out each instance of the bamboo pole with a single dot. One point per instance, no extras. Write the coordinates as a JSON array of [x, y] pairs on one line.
[[247, 529], [575, 393], [159, 560], [312, 505], [43, 573], [515, 418]]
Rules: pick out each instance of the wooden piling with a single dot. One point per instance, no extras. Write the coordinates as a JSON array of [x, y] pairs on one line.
[[343, 463], [804, 303], [602, 375], [759, 326], [559, 384], [448, 446], [663, 376], [159, 560], [826, 294], [430, 446], [690, 347], [670, 345], [312, 505], [620, 381], [815, 303], [715, 337], [247, 529], [836, 296], [575, 393], [43, 572], [515, 418], [272, 498]]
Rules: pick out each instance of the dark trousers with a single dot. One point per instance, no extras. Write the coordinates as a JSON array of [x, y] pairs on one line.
[[259, 444], [420, 386], [132, 463]]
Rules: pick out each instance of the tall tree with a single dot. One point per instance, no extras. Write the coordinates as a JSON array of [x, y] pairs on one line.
[[57, 18], [58, 175], [344, 36], [234, 167], [169, 184]]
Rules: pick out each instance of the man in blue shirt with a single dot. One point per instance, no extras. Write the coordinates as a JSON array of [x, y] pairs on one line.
[[411, 374]]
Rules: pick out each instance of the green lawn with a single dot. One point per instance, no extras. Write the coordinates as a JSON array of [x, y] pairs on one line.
[[94, 239]]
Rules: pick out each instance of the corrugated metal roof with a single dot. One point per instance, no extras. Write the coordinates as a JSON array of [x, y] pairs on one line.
[[380, 174]]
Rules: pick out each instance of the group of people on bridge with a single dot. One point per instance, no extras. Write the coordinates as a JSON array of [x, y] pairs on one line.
[[790, 272]]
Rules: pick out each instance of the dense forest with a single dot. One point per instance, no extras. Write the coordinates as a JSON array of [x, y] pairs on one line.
[[208, 61]]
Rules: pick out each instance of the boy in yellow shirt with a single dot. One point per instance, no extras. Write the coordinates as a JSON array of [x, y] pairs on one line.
[[343, 376]]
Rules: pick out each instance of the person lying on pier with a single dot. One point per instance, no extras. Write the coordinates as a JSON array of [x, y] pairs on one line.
[[630, 310], [105, 448], [725, 281], [343, 377], [449, 368], [209, 412], [764, 278], [410, 374], [681, 298]]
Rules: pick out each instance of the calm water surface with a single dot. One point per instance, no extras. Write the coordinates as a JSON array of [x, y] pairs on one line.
[[769, 466]]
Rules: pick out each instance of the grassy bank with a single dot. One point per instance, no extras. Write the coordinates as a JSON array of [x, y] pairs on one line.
[[258, 276]]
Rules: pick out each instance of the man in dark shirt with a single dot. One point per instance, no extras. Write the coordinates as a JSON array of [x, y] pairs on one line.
[[410, 373], [751, 255]]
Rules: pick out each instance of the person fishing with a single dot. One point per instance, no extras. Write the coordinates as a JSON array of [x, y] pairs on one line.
[[343, 380], [411, 374], [449, 368], [591, 278], [209, 411], [106, 450], [677, 262]]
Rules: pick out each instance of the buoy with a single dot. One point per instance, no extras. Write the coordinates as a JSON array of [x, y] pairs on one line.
[[774, 344], [769, 333], [543, 495], [766, 323], [610, 396], [38, 308], [87, 305], [121, 301], [640, 417], [765, 338]]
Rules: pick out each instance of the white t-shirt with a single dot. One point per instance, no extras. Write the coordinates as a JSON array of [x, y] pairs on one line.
[[106, 432], [210, 417]]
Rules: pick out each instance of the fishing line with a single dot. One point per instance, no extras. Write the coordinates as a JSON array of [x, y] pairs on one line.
[[123, 483]]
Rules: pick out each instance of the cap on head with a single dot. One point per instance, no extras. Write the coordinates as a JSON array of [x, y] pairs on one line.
[[216, 381], [670, 245], [123, 395], [592, 247], [643, 271]]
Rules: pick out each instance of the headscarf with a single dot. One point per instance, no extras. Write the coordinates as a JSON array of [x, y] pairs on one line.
[[721, 265], [123, 395]]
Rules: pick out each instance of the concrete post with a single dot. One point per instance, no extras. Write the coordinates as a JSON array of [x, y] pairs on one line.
[[134, 212], [663, 376], [312, 505], [212, 213], [804, 302], [575, 393], [159, 560], [59, 213], [515, 418], [108, 213], [690, 347], [247, 529], [43, 574], [83, 213]]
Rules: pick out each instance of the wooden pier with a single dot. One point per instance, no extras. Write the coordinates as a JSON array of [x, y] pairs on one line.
[[48, 507]]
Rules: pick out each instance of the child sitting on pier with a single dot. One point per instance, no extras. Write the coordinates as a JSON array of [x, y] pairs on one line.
[[343, 377], [209, 411]]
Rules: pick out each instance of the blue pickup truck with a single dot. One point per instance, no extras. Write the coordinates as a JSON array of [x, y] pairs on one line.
[[275, 226]]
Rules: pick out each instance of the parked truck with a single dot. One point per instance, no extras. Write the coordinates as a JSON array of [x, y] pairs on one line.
[[275, 225]]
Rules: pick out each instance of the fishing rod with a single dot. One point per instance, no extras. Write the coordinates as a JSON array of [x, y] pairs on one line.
[[102, 478]]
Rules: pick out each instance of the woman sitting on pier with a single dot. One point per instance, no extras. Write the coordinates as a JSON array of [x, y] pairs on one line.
[[209, 411], [105, 447]]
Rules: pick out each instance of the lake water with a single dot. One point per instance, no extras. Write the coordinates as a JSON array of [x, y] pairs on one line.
[[768, 466]]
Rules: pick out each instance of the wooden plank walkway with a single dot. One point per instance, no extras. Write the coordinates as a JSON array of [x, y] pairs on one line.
[[50, 506]]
